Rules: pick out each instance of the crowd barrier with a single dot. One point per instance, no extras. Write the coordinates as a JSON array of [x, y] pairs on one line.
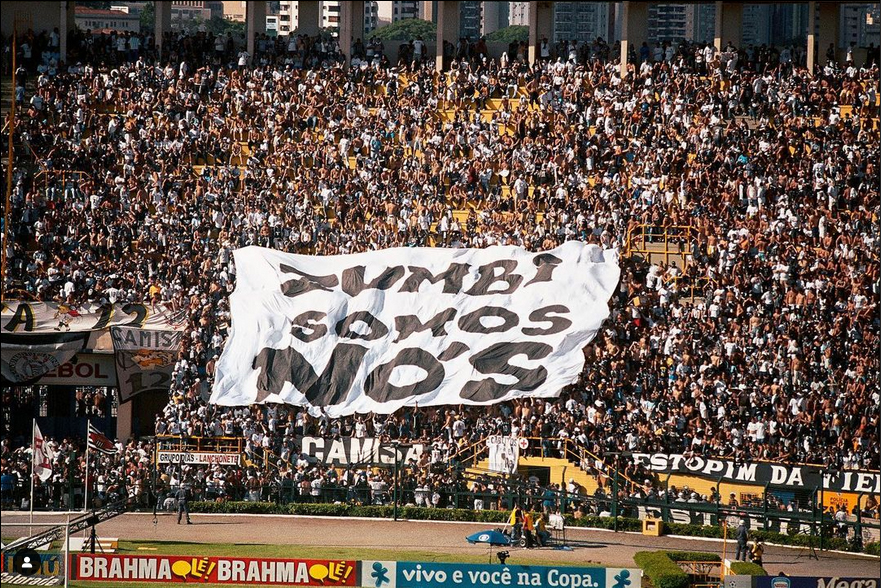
[[231, 570], [737, 581]]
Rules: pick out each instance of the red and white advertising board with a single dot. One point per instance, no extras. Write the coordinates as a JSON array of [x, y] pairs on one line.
[[214, 570], [85, 369]]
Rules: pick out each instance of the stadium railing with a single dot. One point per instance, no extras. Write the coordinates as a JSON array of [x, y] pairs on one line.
[[804, 519], [667, 241], [45, 176], [178, 443], [589, 462]]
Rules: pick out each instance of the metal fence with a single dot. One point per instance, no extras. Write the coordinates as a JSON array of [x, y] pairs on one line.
[[453, 486], [807, 518]]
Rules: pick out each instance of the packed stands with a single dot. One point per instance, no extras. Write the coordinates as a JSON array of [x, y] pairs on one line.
[[755, 337]]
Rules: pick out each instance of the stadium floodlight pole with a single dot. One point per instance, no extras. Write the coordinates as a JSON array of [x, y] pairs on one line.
[[765, 506], [858, 530], [627, 455], [724, 539], [615, 484], [11, 128], [665, 513]]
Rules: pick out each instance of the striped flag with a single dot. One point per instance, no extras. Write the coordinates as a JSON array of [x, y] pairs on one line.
[[42, 456], [99, 442]]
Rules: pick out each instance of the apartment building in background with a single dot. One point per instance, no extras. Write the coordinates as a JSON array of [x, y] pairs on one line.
[[389, 12], [470, 19], [288, 16], [118, 18], [860, 25], [495, 16], [191, 10], [675, 22], [860, 22], [234, 10], [518, 14], [582, 21]]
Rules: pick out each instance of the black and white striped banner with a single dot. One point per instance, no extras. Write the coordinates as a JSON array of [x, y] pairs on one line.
[[377, 331]]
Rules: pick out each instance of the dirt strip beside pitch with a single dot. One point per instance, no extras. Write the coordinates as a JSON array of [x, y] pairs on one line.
[[590, 546]]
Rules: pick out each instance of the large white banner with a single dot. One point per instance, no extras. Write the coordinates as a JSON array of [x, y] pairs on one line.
[[376, 331]]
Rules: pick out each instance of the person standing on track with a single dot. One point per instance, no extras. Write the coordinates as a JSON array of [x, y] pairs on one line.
[[757, 552], [742, 537], [516, 522], [528, 528], [541, 530], [183, 507]]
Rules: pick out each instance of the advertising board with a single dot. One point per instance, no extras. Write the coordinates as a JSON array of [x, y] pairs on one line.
[[84, 369], [813, 582], [408, 574], [168, 569], [198, 458]]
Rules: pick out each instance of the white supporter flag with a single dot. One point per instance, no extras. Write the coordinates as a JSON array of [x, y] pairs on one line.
[[42, 456], [504, 453], [373, 332]]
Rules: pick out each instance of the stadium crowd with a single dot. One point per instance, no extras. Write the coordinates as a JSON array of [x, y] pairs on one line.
[[762, 346]]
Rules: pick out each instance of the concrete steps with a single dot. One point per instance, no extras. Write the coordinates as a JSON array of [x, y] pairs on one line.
[[561, 471], [660, 252]]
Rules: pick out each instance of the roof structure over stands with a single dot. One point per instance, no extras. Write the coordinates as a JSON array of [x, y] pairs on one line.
[[728, 25]]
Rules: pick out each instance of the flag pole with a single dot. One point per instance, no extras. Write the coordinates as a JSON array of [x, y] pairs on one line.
[[33, 473], [67, 551], [86, 490]]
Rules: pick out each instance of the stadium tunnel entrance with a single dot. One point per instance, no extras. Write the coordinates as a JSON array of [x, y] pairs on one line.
[[61, 411], [539, 474]]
